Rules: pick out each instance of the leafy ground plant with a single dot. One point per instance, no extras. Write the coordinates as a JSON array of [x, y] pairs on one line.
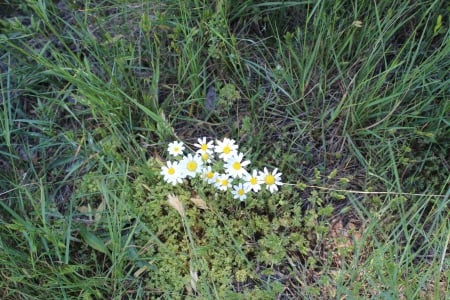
[[348, 100]]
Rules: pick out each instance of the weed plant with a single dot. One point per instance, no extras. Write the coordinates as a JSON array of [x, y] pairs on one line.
[[348, 99]]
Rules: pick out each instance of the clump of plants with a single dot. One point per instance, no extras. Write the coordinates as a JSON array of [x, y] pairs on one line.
[[228, 172], [203, 238]]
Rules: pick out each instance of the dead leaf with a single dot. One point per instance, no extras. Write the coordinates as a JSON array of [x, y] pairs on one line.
[[211, 98], [342, 239], [357, 23], [158, 158], [173, 201], [199, 202], [99, 211]]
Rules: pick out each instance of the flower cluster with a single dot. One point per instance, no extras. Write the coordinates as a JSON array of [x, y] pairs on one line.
[[221, 165]]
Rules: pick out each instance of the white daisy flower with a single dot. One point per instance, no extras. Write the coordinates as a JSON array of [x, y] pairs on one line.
[[223, 182], [252, 181], [235, 167], [226, 148], [176, 148], [204, 146], [207, 156], [271, 180], [209, 175], [172, 173], [239, 192], [191, 165]]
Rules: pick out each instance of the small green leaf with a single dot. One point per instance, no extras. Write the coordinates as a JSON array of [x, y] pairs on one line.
[[301, 186], [93, 241], [438, 24], [332, 174]]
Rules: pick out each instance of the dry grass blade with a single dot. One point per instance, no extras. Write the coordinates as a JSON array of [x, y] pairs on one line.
[[194, 278]]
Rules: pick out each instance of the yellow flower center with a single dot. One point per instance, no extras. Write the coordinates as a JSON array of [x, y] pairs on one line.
[[237, 166], [204, 147], [226, 149], [176, 149], [205, 156], [191, 166], [270, 179], [210, 175], [171, 171], [241, 192], [253, 180], [224, 182]]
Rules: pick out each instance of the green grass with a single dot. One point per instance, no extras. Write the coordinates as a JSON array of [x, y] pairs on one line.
[[348, 99]]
